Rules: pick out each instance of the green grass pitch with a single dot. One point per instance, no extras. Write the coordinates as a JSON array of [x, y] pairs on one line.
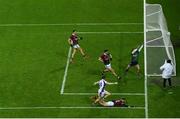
[[33, 59]]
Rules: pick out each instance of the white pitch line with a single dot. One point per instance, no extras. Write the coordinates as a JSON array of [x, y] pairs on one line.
[[145, 64], [111, 32], [66, 70], [83, 107], [74, 24], [139, 94]]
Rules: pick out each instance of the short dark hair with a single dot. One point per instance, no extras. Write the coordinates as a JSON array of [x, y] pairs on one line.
[[103, 76], [106, 50], [168, 61], [74, 30]]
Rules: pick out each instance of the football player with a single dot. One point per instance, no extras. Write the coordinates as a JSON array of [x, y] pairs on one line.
[[134, 59], [106, 58], [102, 93], [73, 42]]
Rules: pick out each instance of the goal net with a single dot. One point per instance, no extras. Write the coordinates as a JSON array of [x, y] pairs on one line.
[[158, 43]]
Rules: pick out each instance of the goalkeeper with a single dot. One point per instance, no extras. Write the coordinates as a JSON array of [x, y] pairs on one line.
[[73, 42], [134, 59]]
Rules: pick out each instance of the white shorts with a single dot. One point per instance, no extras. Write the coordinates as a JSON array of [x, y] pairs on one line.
[[76, 46], [110, 104], [108, 66], [102, 93]]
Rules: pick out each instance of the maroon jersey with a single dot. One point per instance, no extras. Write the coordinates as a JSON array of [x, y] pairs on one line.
[[74, 39], [119, 103], [106, 58]]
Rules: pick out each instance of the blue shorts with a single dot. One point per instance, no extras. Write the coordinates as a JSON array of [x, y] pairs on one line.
[[133, 63]]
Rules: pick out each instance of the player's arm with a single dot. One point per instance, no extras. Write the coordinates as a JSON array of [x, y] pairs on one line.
[[140, 48], [111, 83], [110, 56], [100, 59], [95, 83], [163, 66], [80, 38], [70, 42]]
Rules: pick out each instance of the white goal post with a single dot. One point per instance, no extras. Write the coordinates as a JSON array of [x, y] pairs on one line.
[[158, 43]]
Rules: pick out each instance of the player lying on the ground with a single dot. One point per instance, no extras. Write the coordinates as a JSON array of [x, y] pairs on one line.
[[106, 58], [121, 102], [134, 59], [102, 93], [73, 42]]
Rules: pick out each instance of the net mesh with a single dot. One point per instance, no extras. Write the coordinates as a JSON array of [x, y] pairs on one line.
[[158, 43]]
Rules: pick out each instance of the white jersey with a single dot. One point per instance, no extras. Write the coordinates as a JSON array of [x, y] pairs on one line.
[[102, 84], [167, 70]]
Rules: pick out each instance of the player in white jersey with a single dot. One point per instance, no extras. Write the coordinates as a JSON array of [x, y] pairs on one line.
[[102, 93], [167, 71]]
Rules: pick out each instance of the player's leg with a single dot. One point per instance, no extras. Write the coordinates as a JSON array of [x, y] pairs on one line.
[[81, 51], [101, 95], [114, 73], [107, 94], [73, 54], [127, 68], [138, 69]]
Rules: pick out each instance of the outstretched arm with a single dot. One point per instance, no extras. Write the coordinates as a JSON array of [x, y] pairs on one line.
[[111, 83], [95, 83], [140, 48], [100, 59]]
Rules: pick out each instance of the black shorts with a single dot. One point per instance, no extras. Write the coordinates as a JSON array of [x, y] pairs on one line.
[[133, 63]]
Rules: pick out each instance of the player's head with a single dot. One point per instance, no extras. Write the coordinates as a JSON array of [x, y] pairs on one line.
[[106, 51], [103, 76], [74, 32], [169, 61]]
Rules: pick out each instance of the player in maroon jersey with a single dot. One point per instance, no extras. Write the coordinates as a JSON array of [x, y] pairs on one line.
[[73, 42], [121, 102], [106, 58]]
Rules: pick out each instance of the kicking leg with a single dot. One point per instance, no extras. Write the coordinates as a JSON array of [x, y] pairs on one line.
[[81, 51], [114, 73], [73, 54]]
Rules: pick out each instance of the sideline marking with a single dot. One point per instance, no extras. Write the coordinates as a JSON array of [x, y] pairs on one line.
[[83, 107]]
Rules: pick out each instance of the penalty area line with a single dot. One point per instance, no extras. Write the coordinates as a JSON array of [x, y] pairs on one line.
[[83, 107], [111, 94], [71, 24], [110, 32], [65, 72]]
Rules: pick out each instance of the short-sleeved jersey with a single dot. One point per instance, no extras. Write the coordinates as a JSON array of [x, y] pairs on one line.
[[102, 84], [106, 58], [119, 102], [135, 56], [74, 39]]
